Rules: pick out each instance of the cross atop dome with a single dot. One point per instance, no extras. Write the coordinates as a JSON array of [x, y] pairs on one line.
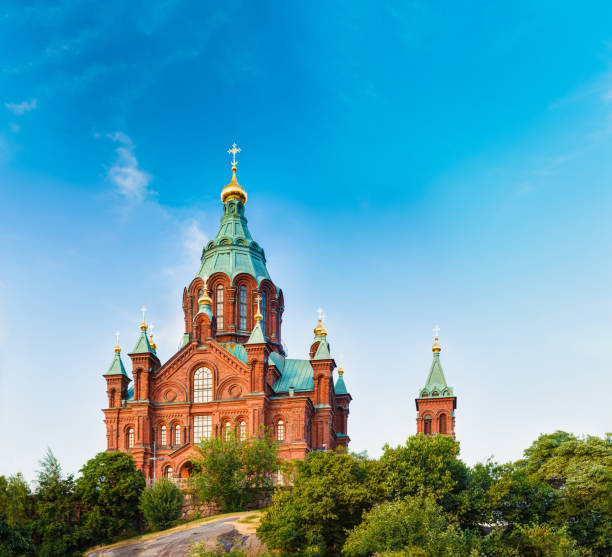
[[234, 190], [235, 149]]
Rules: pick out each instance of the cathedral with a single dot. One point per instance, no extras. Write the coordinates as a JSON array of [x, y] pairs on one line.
[[436, 402], [231, 375]]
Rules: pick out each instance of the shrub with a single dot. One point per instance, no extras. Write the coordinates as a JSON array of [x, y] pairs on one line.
[[161, 504]]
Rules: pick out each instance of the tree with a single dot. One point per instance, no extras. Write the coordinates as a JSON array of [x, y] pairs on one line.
[[161, 504], [329, 494], [55, 524], [235, 473], [15, 541], [16, 501], [425, 464], [109, 490], [411, 526], [580, 471], [538, 540]]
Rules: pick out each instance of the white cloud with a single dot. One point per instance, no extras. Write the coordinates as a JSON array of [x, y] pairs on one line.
[[21, 108], [194, 242], [128, 178]]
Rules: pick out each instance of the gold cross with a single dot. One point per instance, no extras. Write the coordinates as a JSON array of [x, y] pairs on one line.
[[436, 330], [143, 309], [235, 149]]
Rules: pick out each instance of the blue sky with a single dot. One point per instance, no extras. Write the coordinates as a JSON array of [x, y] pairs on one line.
[[407, 164]]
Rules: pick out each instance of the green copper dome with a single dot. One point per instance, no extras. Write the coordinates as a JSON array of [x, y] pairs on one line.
[[436, 382], [233, 251]]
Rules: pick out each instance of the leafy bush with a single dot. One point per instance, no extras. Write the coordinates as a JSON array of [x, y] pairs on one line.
[[161, 504], [235, 473], [412, 526]]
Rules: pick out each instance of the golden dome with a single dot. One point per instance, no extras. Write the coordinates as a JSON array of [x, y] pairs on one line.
[[204, 297], [233, 190], [436, 347], [118, 348], [319, 330], [340, 370], [143, 326], [153, 345]]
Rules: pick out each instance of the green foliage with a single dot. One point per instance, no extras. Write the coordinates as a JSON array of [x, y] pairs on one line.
[[427, 465], [109, 490], [530, 541], [235, 473], [329, 494], [413, 526], [580, 471], [55, 524], [16, 501], [199, 550], [521, 498], [15, 541], [161, 504]]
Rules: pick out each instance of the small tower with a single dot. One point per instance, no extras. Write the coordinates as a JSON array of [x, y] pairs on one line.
[[436, 402], [117, 380], [144, 362]]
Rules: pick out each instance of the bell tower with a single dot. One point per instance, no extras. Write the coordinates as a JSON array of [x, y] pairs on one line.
[[436, 402]]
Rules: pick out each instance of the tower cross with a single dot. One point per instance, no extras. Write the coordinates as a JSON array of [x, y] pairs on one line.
[[436, 330], [143, 309], [235, 149], [117, 335], [320, 312]]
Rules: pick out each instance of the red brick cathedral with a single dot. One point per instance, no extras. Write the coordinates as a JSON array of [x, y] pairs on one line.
[[436, 402], [231, 374]]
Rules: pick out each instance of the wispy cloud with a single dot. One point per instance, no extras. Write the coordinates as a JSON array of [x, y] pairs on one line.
[[194, 241], [21, 108], [131, 182]]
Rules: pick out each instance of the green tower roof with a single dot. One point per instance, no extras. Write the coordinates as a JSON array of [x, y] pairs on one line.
[[143, 345], [257, 336], [116, 367], [233, 251], [436, 386], [322, 352], [340, 387]]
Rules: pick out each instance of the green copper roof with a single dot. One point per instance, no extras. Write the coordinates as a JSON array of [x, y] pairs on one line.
[[142, 345], [322, 352], [436, 382], [340, 387], [235, 349], [116, 367], [257, 336], [294, 373], [233, 251]]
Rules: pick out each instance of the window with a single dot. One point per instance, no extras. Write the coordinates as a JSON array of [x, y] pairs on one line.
[[243, 308], [280, 430], [219, 307], [427, 425], [202, 385], [202, 428], [130, 438], [242, 430], [164, 436], [177, 434], [264, 300], [227, 428], [169, 472], [442, 423]]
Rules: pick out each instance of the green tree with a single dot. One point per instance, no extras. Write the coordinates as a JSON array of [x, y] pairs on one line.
[[580, 471], [15, 541], [109, 490], [425, 464], [329, 494], [530, 541], [55, 524], [16, 501], [161, 504], [235, 473], [520, 498], [411, 526]]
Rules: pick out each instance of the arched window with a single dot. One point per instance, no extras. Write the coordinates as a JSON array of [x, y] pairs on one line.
[[169, 472], [427, 425], [242, 430], [163, 436], [196, 301], [219, 307], [243, 307], [177, 434], [227, 431], [202, 385], [280, 430], [442, 423], [264, 305], [130, 437]]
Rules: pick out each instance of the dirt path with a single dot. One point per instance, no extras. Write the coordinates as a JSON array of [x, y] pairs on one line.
[[227, 530]]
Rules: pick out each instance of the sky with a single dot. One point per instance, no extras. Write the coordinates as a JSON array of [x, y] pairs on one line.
[[407, 164]]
